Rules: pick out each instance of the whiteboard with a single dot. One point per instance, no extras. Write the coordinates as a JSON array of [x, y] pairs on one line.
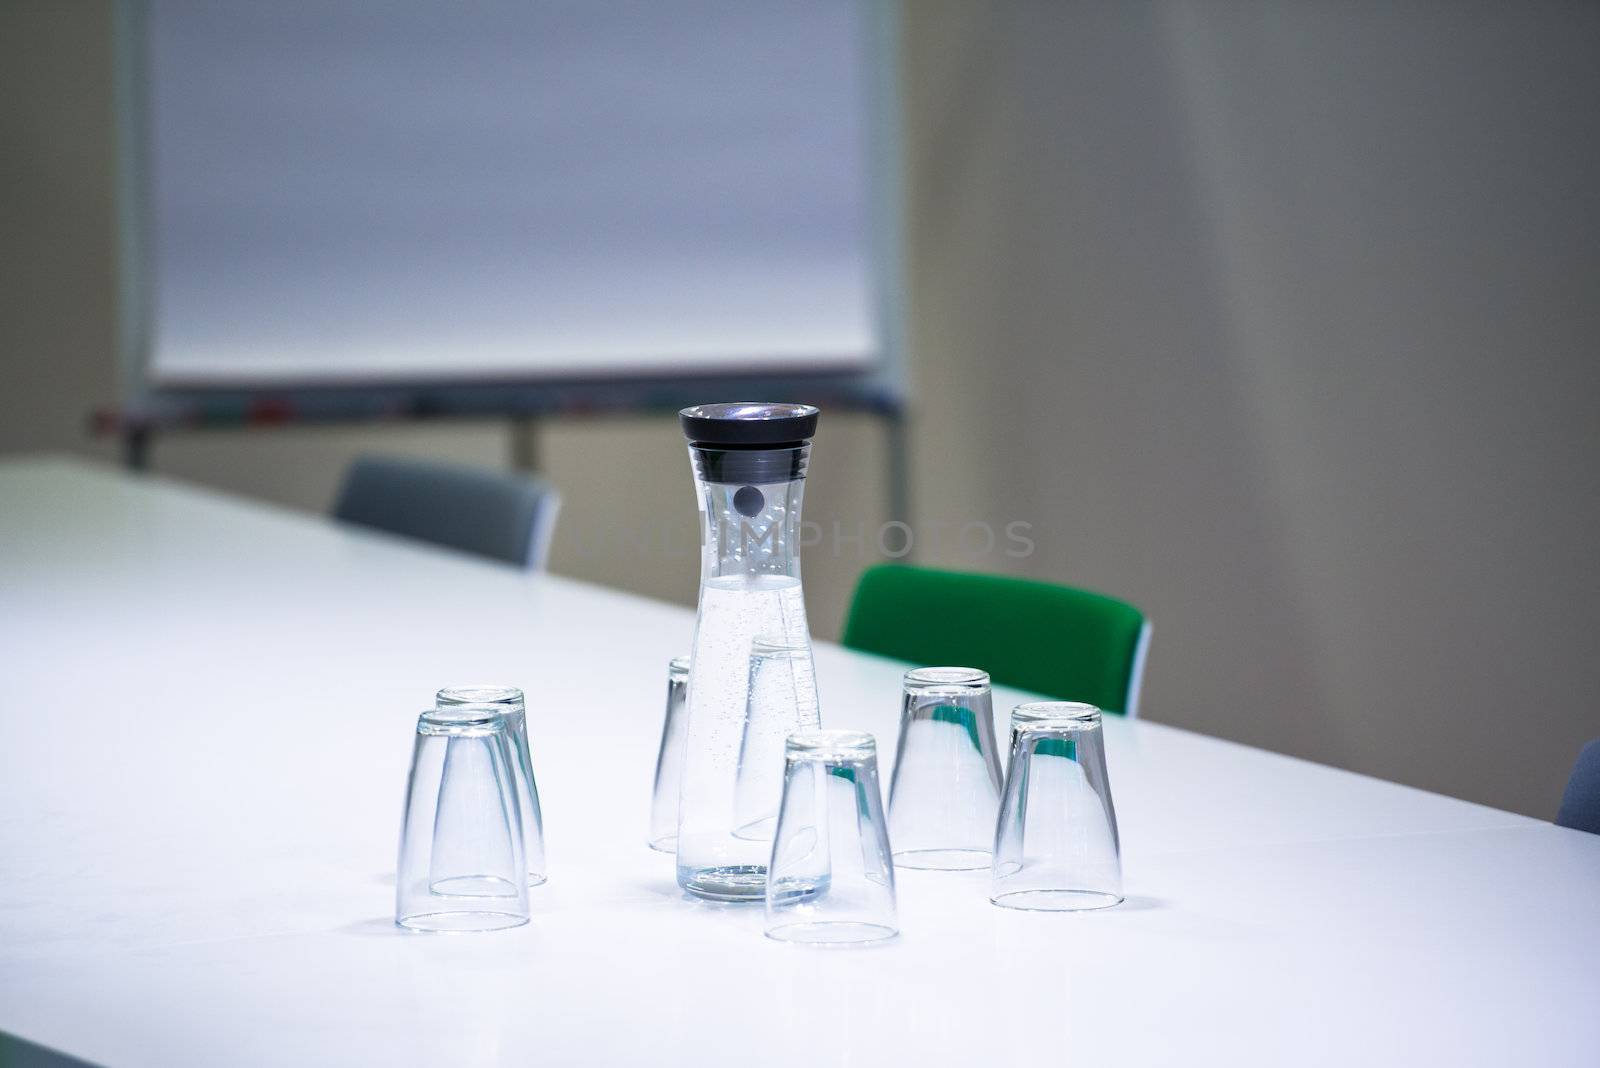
[[347, 192]]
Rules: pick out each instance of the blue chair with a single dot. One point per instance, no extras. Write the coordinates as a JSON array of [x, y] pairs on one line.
[[502, 516], [1580, 805]]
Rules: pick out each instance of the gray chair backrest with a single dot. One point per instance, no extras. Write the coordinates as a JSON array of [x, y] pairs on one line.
[[1580, 805], [495, 514]]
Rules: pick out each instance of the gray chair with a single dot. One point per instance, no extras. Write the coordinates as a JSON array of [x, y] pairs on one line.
[[503, 516], [1580, 805]]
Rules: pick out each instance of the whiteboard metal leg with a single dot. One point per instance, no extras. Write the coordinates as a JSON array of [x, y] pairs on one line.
[[898, 453], [136, 448], [525, 443]]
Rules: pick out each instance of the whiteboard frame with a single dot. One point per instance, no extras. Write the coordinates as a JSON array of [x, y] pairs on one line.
[[148, 403]]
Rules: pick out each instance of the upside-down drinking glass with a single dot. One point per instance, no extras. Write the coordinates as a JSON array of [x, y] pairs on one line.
[[1056, 847], [508, 701], [461, 865], [831, 877], [669, 761], [945, 792]]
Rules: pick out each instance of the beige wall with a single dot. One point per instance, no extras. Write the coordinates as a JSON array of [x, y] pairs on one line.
[[1277, 320], [57, 223], [1280, 320]]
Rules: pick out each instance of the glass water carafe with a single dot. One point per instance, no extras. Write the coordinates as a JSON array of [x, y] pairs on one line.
[[749, 465]]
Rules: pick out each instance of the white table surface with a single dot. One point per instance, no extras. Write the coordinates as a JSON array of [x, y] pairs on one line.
[[207, 713]]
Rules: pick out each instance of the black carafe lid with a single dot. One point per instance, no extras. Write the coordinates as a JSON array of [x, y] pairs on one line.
[[748, 425], [749, 443]]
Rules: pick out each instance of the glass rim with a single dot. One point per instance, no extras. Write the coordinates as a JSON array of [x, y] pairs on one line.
[[830, 744], [461, 921], [463, 720], [919, 680], [1056, 715], [678, 665], [478, 693], [1057, 899], [812, 933]]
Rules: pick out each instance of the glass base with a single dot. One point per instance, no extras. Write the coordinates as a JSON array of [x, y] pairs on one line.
[[760, 830], [537, 878], [667, 843], [832, 933], [1056, 900], [785, 893], [474, 886], [461, 922], [943, 859], [735, 882]]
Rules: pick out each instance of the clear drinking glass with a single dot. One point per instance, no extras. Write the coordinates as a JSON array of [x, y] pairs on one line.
[[669, 761], [782, 699], [830, 880], [749, 464], [945, 792], [1056, 847], [461, 865], [508, 700]]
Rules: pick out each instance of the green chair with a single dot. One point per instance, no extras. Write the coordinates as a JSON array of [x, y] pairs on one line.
[[1055, 640]]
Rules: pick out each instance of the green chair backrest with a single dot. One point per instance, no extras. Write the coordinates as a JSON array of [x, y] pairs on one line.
[[1065, 643]]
